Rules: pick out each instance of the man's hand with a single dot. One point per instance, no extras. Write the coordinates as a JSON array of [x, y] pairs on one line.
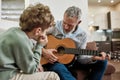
[[102, 57], [40, 68], [48, 54]]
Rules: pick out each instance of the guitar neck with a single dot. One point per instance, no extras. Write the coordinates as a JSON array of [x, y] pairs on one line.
[[81, 51]]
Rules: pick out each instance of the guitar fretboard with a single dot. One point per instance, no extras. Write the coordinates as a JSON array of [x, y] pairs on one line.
[[81, 51]]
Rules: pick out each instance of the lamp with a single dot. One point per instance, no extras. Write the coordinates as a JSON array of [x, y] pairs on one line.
[[111, 1], [99, 1]]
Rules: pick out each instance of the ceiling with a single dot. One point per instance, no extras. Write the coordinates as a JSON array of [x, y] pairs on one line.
[[103, 2], [93, 2]]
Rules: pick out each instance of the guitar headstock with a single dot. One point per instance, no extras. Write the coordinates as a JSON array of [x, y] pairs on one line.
[[115, 56]]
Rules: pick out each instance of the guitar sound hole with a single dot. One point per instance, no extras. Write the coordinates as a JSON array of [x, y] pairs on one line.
[[61, 50]]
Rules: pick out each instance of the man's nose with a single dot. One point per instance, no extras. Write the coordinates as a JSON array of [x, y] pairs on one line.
[[66, 26]]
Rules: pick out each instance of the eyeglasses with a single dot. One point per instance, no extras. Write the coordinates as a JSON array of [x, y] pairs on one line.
[[70, 25]]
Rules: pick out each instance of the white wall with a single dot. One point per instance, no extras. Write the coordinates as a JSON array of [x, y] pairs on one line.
[[0, 9], [6, 24], [59, 6], [98, 16]]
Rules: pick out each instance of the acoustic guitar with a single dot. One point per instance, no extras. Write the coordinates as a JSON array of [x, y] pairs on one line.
[[60, 45], [66, 50]]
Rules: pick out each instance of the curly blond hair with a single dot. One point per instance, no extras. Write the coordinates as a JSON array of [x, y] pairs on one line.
[[34, 16]]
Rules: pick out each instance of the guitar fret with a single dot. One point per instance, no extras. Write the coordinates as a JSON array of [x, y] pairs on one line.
[[88, 52], [94, 53], [81, 51], [84, 52]]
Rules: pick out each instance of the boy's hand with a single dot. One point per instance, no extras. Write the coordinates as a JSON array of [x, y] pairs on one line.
[[43, 40]]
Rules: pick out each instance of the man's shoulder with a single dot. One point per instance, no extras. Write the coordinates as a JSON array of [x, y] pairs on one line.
[[59, 23], [80, 30]]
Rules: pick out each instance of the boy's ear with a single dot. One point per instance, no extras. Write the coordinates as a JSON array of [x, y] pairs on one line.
[[37, 31]]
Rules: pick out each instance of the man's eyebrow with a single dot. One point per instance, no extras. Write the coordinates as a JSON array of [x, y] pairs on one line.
[[67, 23]]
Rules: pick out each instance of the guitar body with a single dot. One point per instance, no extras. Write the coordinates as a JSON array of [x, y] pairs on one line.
[[54, 43]]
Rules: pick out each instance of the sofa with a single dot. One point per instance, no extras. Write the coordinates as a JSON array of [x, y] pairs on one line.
[[110, 67]]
